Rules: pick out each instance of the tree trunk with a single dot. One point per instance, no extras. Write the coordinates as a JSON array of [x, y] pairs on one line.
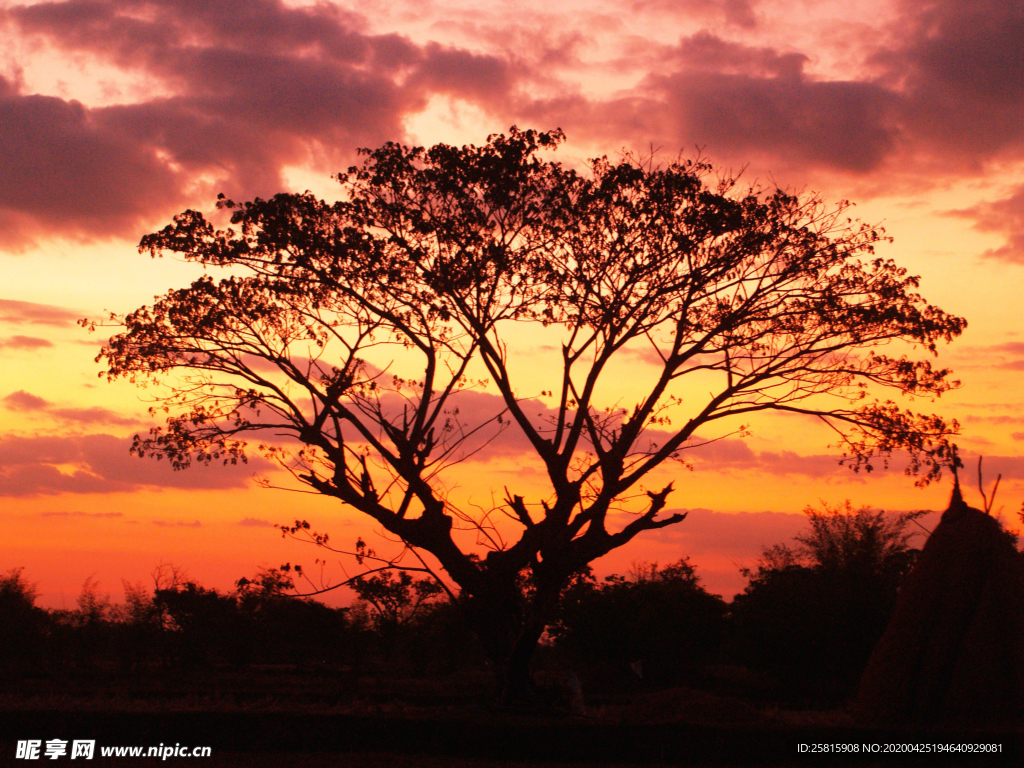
[[517, 680], [510, 625]]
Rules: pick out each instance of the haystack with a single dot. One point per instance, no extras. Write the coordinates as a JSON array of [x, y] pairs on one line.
[[953, 653]]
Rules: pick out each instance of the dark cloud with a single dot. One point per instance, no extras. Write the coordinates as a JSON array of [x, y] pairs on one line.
[[484, 79], [25, 342], [944, 95], [27, 312], [255, 522], [253, 87], [39, 465], [1010, 467], [1004, 217], [740, 102], [960, 67], [705, 51], [840, 125], [65, 168]]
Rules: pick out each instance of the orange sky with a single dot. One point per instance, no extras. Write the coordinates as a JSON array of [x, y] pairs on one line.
[[116, 115]]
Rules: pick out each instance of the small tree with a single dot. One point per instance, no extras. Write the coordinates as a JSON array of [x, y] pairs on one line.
[[436, 259], [812, 612], [23, 625], [396, 599]]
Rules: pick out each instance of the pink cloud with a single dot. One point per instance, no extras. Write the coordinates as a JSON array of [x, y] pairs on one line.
[[738, 12], [29, 467], [25, 342], [25, 401], [247, 89], [27, 312], [1004, 217]]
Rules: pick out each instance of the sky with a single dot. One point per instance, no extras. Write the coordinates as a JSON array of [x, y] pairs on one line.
[[115, 115]]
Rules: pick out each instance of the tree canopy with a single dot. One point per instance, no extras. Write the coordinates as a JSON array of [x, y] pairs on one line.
[[439, 256]]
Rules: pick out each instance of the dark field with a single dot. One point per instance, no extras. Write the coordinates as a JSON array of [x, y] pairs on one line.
[[282, 717]]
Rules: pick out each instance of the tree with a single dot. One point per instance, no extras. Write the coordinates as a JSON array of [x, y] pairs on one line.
[[813, 612], [395, 599], [23, 625], [430, 262], [658, 623]]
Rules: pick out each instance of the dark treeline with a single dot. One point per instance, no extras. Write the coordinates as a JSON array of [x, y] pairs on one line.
[[800, 634]]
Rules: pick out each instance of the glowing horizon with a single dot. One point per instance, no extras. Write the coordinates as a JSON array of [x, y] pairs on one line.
[[119, 115]]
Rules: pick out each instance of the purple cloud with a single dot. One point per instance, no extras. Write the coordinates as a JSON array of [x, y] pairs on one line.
[[29, 466], [254, 87], [244, 90], [961, 69]]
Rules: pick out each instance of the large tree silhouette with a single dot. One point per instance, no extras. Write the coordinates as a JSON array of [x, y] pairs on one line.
[[439, 260]]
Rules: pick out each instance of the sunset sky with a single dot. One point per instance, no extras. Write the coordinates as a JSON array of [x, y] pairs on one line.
[[117, 114]]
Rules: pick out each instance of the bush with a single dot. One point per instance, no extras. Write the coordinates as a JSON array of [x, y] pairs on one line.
[[23, 626], [658, 625]]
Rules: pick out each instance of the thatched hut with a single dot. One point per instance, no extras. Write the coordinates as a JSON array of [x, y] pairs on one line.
[[953, 653]]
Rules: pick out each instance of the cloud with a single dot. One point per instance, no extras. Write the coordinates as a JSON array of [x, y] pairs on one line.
[[25, 342], [740, 534], [741, 102], [177, 524], [255, 522], [1007, 356], [1010, 467], [105, 515], [26, 402], [241, 90], [237, 92], [27, 312], [738, 12], [94, 415], [1004, 217], [39, 465], [960, 67], [722, 455]]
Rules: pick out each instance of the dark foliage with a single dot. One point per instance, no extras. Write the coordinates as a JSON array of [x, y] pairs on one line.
[[656, 625], [812, 613], [22, 625]]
